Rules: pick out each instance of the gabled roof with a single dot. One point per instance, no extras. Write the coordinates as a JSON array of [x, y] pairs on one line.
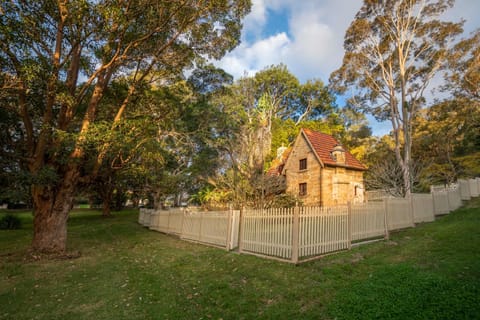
[[277, 165], [323, 144], [275, 170]]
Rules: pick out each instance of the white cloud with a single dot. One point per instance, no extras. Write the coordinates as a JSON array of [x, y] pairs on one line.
[[252, 58], [256, 19], [311, 48], [313, 45]]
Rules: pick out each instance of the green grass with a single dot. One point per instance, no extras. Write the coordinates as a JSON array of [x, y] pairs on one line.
[[129, 272]]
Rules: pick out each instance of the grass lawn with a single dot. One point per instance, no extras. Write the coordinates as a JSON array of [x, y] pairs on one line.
[[128, 272]]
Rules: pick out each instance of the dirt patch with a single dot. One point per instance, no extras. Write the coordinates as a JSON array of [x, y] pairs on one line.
[[35, 256], [30, 256]]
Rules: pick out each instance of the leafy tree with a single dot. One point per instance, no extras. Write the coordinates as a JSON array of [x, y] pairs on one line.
[[447, 140], [184, 152], [207, 79], [14, 178], [448, 134], [47, 46], [284, 132], [393, 50], [463, 73], [251, 106], [357, 134], [279, 95]]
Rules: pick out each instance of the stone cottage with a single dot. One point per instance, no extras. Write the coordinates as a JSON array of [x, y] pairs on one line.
[[320, 171]]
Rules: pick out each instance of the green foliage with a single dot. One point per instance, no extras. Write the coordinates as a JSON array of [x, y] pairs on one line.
[[77, 80], [447, 139], [284, 132], [10, 222], [463, 73], [208, 79], [213, 198], [468, 166], [393, 51], [282, 201]]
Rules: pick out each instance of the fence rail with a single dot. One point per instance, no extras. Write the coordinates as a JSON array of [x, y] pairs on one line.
[[214, 228], [207, 227], [423, 207], [301, 233], [368, 220], [323, 230], [267, 232]]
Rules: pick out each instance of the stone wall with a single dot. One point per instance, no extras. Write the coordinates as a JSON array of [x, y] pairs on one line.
[[342, 185], [310, 176]]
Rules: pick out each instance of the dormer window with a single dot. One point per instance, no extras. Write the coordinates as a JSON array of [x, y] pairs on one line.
[[338, 154], [303, 164]]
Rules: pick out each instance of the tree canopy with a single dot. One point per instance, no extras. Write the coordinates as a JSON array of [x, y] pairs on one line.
[[59, 58], [393, 50]]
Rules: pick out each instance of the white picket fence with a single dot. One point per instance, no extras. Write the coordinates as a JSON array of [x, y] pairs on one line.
[[210, 227], [302, 233], [450, 197], [368, 220], [423, 207], [322, 230], [267, 232]]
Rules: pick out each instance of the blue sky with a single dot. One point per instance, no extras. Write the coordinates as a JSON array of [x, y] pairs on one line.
[[307, 36]]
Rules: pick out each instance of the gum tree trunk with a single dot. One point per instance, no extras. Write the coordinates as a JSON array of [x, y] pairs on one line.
[[52, 206], [106, 201]]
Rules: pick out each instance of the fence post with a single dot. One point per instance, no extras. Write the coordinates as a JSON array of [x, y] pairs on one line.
[[412, 213], [182, 231], [385, 218], [434, 205], [200, 230], [448, 200], [295, 234], [240, 230], [229, 229], [168, 222], [349, 221]]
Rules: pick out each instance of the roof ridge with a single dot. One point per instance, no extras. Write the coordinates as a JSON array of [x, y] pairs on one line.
[[323, 143]]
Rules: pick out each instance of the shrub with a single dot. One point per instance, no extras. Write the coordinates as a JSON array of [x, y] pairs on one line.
[[10, 222]]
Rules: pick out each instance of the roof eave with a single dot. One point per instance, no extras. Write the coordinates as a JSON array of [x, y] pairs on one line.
[[346, 166], [313, 149]]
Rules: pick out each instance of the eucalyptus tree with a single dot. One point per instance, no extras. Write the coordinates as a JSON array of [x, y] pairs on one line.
[[254, 106], [393, 50], [463, 73], [275, 93], [57, 59], [447, 139]]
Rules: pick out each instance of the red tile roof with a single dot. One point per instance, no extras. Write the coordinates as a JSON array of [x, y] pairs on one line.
[[323, 144], [277, 165], [276, 170]]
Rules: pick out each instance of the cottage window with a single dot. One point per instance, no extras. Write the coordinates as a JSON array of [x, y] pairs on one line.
[[302, 189], [303, 164]]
